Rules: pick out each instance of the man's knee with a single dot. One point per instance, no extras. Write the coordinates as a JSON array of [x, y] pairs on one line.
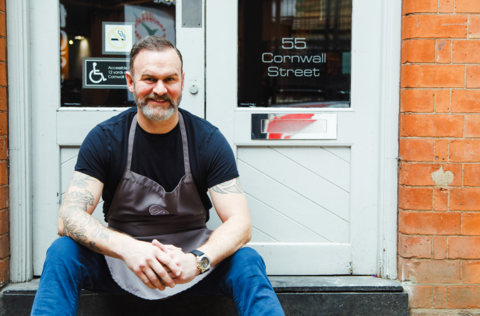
[[249, 260], [64, 250]]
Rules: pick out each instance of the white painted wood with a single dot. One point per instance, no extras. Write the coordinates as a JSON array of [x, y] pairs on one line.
[[316, 259], [321, 162], [68, 153], [358, 127], [20, 141], [293, 205], [191, 43], [391, 42], [340, 152], [298, 179]]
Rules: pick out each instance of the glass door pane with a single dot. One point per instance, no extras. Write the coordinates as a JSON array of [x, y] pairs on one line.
[[96, 37]]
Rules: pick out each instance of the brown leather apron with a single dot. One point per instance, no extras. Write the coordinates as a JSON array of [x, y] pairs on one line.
[[142, 209]]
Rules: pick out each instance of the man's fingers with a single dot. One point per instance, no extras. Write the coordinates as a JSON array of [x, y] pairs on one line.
[[162, 274], [153, 278], [145, 280], [168, 263]]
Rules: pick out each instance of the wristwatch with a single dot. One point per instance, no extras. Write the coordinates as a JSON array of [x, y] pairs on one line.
[[203, 262]]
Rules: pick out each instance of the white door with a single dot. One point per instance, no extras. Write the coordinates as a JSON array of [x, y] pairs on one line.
[[313, 196], [66, 107]]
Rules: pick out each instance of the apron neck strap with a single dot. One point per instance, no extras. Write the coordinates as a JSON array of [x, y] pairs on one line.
[[183, 132]]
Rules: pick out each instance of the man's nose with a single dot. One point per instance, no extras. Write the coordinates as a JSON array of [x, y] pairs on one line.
[[160, 88]]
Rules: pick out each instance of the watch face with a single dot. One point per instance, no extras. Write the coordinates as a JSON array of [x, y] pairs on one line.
[[204, 263]]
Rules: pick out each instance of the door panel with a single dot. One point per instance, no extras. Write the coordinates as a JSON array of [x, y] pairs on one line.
[[59, 131]]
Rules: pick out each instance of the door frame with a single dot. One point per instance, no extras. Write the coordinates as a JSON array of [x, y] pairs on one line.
[[221, 43], [20, 103]]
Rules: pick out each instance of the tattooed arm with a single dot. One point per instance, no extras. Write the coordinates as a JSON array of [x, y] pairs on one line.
[[75, 220], [231, 206]]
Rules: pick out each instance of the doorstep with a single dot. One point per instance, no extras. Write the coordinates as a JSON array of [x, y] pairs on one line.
[[299, 295]]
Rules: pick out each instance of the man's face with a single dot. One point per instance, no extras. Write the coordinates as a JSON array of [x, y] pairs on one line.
[[157, 84]]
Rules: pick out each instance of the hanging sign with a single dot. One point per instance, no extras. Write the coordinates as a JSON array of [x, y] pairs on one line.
[[104, 73], [117, 38]]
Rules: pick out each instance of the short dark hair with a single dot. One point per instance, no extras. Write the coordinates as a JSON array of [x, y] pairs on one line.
[[152, 43]]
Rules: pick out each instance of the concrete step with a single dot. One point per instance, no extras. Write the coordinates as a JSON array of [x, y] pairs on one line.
[[335, 296]]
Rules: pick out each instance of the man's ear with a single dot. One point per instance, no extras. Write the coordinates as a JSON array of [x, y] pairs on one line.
[[129, 78], [183, 79]]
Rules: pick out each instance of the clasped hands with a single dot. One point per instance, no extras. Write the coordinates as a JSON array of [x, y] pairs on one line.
[[159, 266]]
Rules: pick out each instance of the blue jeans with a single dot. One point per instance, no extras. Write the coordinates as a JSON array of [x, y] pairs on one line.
[[71, 267]]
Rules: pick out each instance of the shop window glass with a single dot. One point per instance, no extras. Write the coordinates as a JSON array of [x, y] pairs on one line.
[[294, 53], [95, 41]]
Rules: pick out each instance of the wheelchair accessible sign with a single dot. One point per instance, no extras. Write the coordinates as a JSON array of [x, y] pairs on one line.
[[104, 73]]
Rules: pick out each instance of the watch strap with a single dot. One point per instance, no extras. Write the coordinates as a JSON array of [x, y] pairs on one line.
[[197, 253]]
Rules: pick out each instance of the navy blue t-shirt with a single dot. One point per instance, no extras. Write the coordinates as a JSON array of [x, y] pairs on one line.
[[103, 155]]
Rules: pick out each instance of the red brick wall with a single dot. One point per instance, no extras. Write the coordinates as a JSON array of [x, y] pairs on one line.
[[439, 180], [4, 227]]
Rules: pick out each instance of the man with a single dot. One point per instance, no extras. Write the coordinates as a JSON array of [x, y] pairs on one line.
[[153, 167]]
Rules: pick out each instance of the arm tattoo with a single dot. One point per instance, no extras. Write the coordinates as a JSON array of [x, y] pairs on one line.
[[77, 223], [231, 186], [80, 180]]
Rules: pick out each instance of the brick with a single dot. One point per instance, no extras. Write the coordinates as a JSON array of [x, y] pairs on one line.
[[422, 296], [418, 51], [415, 198], [3, 172], [3, 222], [466, 51], [3, 99], [467, 6], [2, 25], [445, 6], [433, 76], [3, 148], [464, 247], [442, 101], [470, 272], [414, 246], [417, 101], [471, 224], [421, 174], [472, 125], [439, 297], [443, 51], [413, 149], [3, 197], [439, 248], [434, 26], [431, 271], [440, 199], [415, 6], [473, 76], [471, 175], [441, 150], [465, 199], [3, 123], [417, 125], [429, 223], [474, 27], [3, 49], [466, 101], [4, 271], [4, 246], [464, 150], [463, 296], [3, 73]]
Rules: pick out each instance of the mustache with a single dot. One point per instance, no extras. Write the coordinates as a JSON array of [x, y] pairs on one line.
[[158, 98]]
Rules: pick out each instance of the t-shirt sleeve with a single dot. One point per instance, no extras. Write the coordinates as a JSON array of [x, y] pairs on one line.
[[221, 165], [93, 156]]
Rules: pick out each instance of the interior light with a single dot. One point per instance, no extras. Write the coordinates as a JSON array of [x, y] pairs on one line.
[[79, 37], [70, 42]]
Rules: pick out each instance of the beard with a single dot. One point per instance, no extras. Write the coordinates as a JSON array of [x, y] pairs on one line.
[[157, 113]]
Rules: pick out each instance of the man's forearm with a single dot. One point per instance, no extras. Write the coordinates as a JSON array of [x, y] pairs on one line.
[[227, 239]]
